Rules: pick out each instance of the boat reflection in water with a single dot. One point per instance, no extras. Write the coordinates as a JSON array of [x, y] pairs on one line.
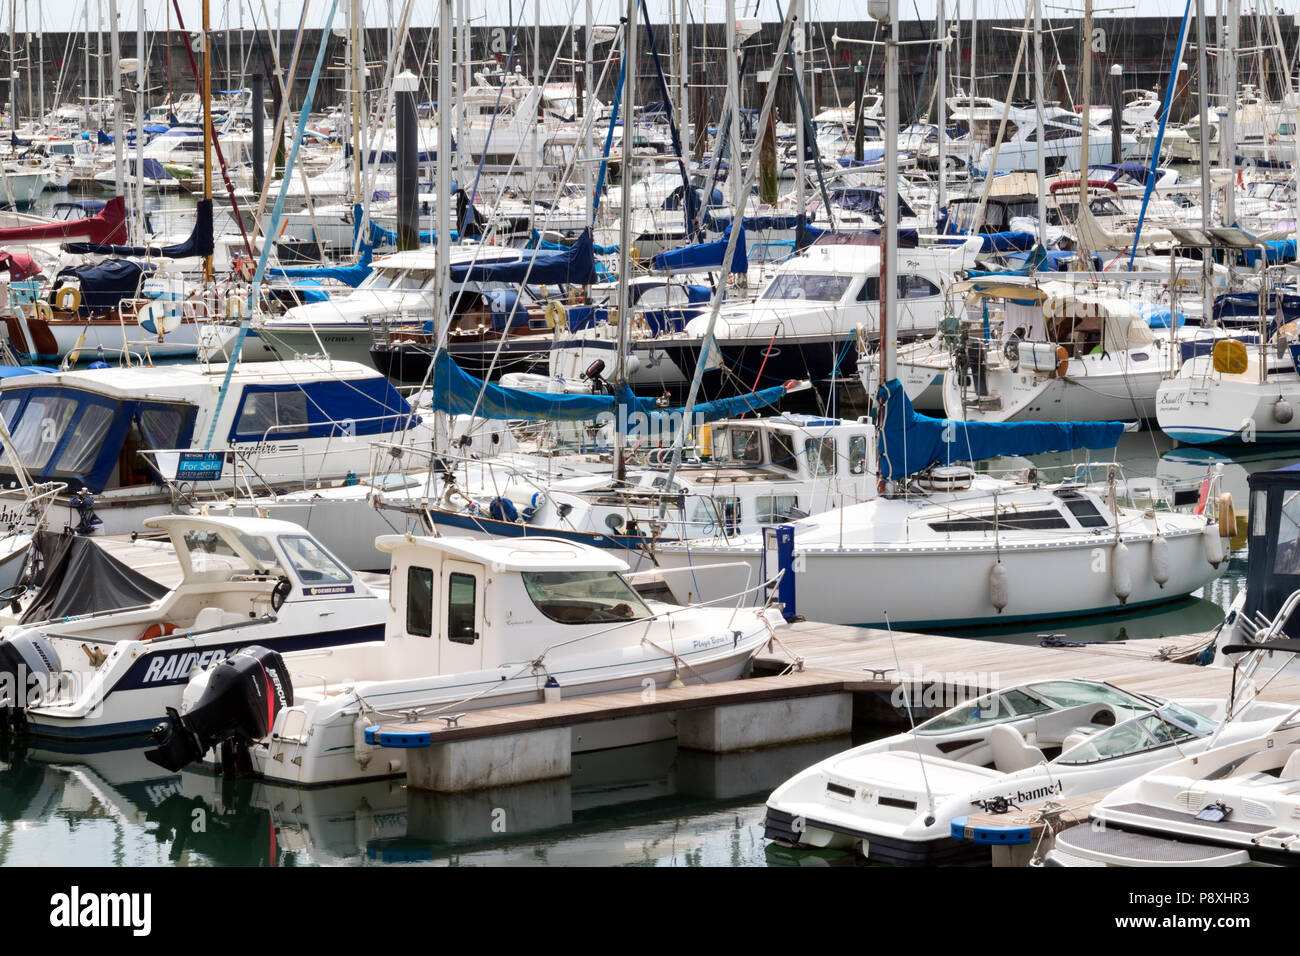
[[650, 804]]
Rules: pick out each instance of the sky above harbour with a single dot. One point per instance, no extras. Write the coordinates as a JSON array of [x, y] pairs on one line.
[[255, 13]]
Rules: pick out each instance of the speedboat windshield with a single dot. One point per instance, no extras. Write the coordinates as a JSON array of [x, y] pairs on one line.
[[1169, 725], [813, 287], [1030, 699]]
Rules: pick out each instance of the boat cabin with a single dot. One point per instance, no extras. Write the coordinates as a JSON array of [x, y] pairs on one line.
[[1273, 555], [104, 428]]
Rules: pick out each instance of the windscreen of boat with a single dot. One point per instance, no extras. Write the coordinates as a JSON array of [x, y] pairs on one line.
[[384, 279], [1072, 693], [812, 287], [212, 554], [1169, 725], [1012, 704], [584, 597], [312, 563]]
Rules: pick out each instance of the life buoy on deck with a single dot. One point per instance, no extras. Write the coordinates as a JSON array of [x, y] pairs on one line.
[[68, 293], [159, 629], [43, 310], [1062, 361]]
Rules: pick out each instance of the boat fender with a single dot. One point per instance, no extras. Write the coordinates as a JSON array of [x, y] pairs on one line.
[[360, 749], [998, 586], [1121, 572], [68, 299], [1062, 361], [1213, 544], [1282, 411], [1227, 515], [1160, 560], [235, 307]]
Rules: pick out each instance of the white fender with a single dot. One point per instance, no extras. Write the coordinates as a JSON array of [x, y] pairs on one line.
[[1213, 544], [1160, 559], [361, 750], [998, 586], [1121, 572]]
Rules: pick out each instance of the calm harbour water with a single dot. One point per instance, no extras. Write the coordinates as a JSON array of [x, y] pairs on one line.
[[650, 805]]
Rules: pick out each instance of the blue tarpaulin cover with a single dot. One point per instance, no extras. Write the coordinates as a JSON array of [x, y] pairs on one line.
[[575, 264], [349, 275], [911, 442], [704, 255], [1278, 250]]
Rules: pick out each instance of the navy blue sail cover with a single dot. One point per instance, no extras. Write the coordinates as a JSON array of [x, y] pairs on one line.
[[575, 264], [704, 255], [199, 243], [911, 442], [105, 284]]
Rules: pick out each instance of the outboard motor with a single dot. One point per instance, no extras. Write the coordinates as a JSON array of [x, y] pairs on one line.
[[231, 705], [29, 667]]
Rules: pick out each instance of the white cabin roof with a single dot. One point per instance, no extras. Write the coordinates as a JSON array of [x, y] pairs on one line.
[[513, 554]]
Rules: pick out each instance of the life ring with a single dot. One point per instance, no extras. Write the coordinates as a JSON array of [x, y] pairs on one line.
[[1062, 361], [63, 295], [43, 310], [157, 630], [1227, 515], [555, 315]]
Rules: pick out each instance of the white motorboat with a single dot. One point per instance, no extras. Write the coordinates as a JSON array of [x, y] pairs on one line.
[[896, 800], [471, 624], [244, 581]]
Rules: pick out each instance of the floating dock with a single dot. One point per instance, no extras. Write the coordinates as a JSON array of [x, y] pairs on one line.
[[818, 677]]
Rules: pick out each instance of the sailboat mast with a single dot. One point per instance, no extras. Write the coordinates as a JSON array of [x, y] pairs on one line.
[[1039, 114], [207, 120], [1228, 125], [625, 228], [941, 82], [889, 238], [139, 120], [446, 110], [1207, 290], [357, 54], [118, 135], [1085, 158]]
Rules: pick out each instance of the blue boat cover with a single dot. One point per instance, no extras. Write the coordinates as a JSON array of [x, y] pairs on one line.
[[349, 275], [456, 392], [911, 442], [106, 283], [1277, 250], [704, 255], [1157, 316], [575, 264], [199, 242]]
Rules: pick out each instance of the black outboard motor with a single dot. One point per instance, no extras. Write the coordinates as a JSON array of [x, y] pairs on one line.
[[238, 705], [29, 667]]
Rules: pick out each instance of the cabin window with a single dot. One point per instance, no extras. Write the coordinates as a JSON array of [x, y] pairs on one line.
[[916, 287], [780, 450], [773, 509], [419, 601], [1046, 520], [40, 428], [821, 455], [160, 427], [81, 450], [312, 563], [815, 288], [1086, 513], [1258, 513], [584, 597], [460, 608], [724, 512], [7, 409], [1287, 559], [745, 446], [857, 454], [272, 415]]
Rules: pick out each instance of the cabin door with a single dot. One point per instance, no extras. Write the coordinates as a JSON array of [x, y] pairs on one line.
[[460, 645]]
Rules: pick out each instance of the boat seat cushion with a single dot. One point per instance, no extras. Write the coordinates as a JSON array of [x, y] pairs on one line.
[[1010, 751]]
